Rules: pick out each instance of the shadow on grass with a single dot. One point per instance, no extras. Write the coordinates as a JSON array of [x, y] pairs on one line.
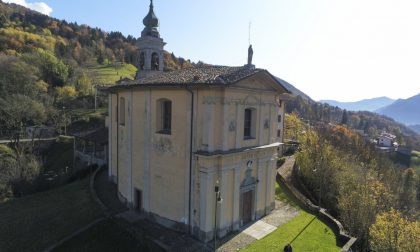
[[303, 229]]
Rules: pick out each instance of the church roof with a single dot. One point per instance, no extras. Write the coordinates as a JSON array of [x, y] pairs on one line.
[[204, 75]]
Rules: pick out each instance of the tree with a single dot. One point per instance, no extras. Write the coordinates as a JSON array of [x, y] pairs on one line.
[[100, 58], [16, 76], [293, 126], [3, 20], [84, 85], [408, 194], [65, 94], [7, 169], [53, 71], [319, 165], [393, 232], [361, 199], [344, 118], [18, 111]]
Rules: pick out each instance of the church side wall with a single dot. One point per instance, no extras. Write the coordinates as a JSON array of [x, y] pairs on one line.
[[123, 155], [169, 157], [140, 143], [152, 163]]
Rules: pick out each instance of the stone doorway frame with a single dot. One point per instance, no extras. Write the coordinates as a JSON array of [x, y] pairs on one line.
[[248, 184]]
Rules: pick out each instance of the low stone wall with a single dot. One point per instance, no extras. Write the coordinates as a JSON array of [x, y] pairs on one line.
[[322, 213]]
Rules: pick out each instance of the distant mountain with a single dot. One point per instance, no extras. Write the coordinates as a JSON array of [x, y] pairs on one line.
[[363, 105], [405, 111], [416, 128], [293, 89]]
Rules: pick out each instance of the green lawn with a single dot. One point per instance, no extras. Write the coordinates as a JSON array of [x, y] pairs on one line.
[[87, 119], [305, 232], [32, 223], [81, 112], [109, 74], [104, 236]]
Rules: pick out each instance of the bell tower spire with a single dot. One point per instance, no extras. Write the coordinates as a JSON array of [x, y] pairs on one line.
[[151, 23], [150, 46]]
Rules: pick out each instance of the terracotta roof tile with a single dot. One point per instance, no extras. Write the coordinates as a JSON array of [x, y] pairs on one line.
[[199, 75]]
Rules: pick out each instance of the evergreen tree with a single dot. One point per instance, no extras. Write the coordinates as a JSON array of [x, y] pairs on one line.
[[408, 194], [344, 118]]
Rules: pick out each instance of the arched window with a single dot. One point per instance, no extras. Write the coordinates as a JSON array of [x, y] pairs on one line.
[[164, 116], [155, 61], [249, 123], [141, 61]]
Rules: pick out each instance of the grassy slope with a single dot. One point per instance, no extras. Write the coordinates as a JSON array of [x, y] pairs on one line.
[[108, 74], [32, 223], [317, 236]]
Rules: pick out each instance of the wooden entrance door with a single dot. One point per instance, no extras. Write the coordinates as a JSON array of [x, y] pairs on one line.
[[247, 207]]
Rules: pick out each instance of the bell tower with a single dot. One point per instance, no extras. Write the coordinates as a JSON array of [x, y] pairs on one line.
[[150, 47]]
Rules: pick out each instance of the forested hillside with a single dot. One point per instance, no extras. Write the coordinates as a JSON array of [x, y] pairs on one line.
[[49, 71], [51, 64], [370, 123], [376, 199]]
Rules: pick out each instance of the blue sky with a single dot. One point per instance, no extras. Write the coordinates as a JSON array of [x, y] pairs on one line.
[[330, 49]]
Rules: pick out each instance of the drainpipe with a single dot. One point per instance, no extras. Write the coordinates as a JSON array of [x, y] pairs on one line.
[[191, 157]]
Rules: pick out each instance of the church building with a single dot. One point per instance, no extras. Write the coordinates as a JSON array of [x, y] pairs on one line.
[[195, 149]]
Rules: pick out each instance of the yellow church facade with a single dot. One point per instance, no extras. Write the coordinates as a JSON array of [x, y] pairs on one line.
[[175, 138]]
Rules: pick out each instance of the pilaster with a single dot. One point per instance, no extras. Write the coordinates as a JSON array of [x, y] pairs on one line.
[[206, 202], [225, 139], [209, 125], [146, 149], [259, 197], [236, 196], [239, 124], [223, 222]]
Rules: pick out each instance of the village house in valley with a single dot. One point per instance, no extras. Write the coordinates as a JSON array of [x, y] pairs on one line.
[[176, 137]]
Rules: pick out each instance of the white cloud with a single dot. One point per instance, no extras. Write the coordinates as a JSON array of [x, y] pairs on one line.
[[37, 6]]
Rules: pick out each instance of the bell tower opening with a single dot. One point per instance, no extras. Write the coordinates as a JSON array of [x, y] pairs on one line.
[[155, 62], [141, 61]]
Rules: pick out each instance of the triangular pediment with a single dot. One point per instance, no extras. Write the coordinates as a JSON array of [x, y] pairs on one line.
[[262, 81]]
